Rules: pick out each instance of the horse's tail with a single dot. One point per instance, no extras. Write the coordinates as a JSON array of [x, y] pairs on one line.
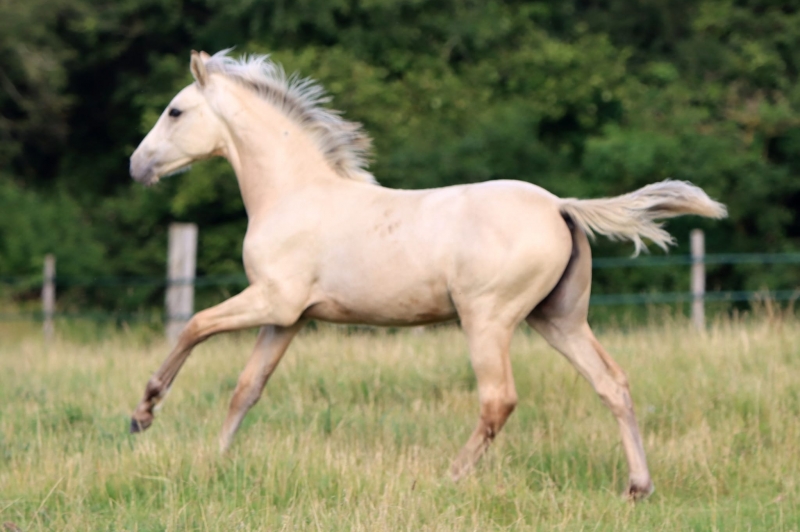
[[633, 215]]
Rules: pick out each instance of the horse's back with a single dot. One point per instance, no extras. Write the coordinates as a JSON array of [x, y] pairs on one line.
[[420, 256]]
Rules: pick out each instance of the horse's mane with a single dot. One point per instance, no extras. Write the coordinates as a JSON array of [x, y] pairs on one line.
[[345, 144]]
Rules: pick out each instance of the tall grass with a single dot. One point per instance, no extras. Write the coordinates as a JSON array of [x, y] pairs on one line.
[[356, 431]]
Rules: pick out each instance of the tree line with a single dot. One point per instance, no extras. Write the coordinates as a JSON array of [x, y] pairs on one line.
[[586, 98]]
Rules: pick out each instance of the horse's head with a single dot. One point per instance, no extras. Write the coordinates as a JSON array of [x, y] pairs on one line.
[[188, 130]]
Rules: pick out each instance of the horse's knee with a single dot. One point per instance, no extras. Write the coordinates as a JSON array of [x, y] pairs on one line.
[[191, 332], [197, 329], [621, 378]]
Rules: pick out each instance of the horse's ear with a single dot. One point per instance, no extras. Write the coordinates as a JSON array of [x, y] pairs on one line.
[[198, 67]]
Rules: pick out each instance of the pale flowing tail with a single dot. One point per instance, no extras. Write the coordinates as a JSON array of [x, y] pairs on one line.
[[633, 216]]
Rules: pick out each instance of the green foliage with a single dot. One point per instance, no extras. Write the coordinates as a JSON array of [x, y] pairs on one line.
[[34, 224], [583, 98], [33, 77]]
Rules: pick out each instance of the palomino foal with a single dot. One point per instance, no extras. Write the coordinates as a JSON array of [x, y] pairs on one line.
[[324, 241]]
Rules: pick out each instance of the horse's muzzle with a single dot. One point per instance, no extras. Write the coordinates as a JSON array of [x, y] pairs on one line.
[[141, 171]]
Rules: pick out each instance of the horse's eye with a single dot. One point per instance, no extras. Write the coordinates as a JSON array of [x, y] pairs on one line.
[[175, 113]]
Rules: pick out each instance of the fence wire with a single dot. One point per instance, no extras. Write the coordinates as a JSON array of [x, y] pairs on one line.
[[29, 282]]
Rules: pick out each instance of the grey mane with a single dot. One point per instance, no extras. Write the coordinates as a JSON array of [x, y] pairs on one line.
[[345, 144]]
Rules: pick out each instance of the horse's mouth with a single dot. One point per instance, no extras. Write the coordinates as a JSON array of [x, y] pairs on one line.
[[179, 170], [154, 174], [177, 167]]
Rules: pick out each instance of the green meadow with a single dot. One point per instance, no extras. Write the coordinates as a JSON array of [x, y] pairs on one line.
[[356, 431]]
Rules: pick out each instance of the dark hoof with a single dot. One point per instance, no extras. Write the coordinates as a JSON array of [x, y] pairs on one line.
[[139, 426], [636, 493]]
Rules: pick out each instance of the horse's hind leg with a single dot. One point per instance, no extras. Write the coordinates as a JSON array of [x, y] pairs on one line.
[[587, 355], [561, 320], [488, 345], [271, 345]]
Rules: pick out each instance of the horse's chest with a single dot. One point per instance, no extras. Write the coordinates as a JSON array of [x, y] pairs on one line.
[[276, 257]]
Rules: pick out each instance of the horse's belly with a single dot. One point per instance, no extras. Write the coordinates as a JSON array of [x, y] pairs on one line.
[[405, 309]]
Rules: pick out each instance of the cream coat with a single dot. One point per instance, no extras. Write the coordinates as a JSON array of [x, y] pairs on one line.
[[324, 241]]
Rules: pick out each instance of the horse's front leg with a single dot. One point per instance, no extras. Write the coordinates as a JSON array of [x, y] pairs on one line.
[[247, 309], [271, 345]]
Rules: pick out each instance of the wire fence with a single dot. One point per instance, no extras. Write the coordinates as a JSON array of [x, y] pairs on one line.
[[732, 296], [30, 282]]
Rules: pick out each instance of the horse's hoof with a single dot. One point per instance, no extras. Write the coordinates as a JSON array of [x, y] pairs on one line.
[[636, 492], [139, 425]]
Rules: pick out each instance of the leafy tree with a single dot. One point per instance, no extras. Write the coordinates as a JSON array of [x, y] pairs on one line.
[[586, 98]]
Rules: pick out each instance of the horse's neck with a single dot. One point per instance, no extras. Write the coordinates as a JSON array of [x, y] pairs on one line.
[[271, 155]]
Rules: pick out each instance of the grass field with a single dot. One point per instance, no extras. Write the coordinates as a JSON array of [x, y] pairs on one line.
[[356, 432]]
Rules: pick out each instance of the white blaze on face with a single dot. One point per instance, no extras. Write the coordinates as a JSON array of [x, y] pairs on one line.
[[187, 131]]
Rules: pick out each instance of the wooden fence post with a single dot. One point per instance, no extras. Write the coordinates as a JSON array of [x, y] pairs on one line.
[[181, 261], [48, 296], [698, 279]]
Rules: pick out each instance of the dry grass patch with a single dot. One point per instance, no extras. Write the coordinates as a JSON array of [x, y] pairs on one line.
[[356, 431]]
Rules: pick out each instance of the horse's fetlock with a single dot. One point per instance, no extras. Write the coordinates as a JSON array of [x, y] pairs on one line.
[[504, 406], [153, 388], [509, 404], [496, 413], [638, 491]]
